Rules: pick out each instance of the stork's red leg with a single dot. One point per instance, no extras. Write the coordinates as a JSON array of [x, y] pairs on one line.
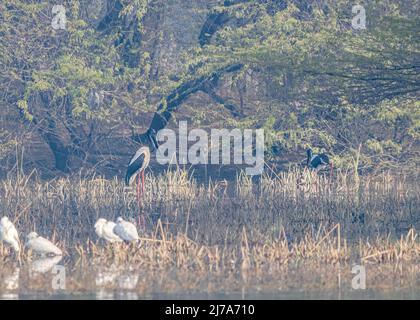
[[142, 181], [142, 191], [139, 195], [138, 188]]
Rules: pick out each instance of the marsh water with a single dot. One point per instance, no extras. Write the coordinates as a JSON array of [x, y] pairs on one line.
[[400, 289], [331, 282], [292, 237], [287, 295]]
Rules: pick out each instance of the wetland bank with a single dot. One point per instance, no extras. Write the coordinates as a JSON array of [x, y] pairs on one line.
[[293, 235]]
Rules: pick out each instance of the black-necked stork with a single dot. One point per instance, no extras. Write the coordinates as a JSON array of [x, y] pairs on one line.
[[141, 159], [136, 167], [138, 163], [163, 114], [318, 161]]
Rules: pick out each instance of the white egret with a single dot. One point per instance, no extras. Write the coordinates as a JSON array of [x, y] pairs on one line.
[[126, 230], [105, 230], [9, 234], [41, 245]]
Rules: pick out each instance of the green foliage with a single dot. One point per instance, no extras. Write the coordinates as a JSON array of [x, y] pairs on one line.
[[349, 87], [309, 78]]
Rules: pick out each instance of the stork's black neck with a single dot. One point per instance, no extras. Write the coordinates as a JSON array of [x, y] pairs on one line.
[[309, 155], [151, 135]]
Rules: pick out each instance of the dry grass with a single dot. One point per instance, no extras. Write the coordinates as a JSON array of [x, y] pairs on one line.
[[234, 230]]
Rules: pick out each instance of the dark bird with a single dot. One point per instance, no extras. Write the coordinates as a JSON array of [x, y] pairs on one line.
[[137, 165], [162, 116], [318, 161], [358, 217], [136, 168]]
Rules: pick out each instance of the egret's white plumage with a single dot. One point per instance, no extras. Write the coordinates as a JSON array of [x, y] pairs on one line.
[[105, 230], [41, 245], [126, 230], [9, 234]]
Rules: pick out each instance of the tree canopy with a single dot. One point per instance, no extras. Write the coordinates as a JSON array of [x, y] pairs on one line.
[[303, 73]]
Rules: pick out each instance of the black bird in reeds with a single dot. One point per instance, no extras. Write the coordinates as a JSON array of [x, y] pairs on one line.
[[162, 116], [138, 163], [141, 159], [318, 161]]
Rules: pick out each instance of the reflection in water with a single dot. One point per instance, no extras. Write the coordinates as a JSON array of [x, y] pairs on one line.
[[128, 281], [9, 296], [304, 282], [11, 281], [11, 285], [104, 295], [106, 277], [109, 277], [127, 295], [44, 265]]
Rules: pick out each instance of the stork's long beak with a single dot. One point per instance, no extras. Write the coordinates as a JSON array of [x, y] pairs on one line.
[[127, 179]]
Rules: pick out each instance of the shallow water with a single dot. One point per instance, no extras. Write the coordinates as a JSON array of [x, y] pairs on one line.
[[367, 294], [306, 281]]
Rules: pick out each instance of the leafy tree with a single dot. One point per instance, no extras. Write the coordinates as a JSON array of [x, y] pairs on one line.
[[297, 68]]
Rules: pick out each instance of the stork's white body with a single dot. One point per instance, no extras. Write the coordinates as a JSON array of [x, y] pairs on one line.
[[105, 230], [126, 230], [9, 234], [41, 245]]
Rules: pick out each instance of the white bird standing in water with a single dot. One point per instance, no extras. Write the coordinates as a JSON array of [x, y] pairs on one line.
[[41, 245], [126, 230], [105, 230], [9, 234]]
